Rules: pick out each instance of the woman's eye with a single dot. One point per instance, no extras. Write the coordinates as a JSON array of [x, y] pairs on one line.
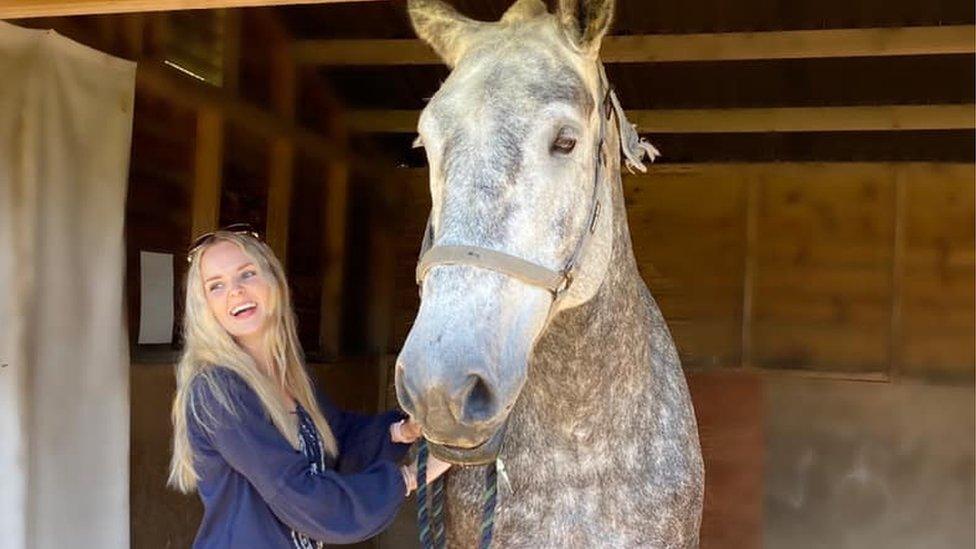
[[564, 144], [215, 287], [248, 274]]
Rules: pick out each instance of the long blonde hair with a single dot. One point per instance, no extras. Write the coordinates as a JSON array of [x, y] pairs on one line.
[[207, 345]]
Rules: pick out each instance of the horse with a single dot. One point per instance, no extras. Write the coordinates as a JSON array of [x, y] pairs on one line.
[[537, 342]]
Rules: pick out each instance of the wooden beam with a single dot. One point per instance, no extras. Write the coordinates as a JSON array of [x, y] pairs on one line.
[[157, 79], [21, 9], [779, 119], [804, 44], [207, 164]]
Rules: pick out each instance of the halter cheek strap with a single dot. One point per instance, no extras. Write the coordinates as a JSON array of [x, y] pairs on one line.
[[515, 267]]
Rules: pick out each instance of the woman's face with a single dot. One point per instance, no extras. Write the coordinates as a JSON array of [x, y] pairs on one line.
[[237, 292]]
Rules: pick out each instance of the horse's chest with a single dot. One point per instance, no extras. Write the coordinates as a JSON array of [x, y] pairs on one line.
[[557, 517]]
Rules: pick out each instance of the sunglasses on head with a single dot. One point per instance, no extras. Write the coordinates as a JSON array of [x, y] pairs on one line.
[[204, 239]]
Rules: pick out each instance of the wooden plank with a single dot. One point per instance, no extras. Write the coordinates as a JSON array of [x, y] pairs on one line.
[[208, 161], [804, 44], [936, 292], [824, 315], [21, 9], [779, 119]]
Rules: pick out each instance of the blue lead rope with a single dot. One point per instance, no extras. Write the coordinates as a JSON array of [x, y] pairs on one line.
[[430, 505], [489, 500]]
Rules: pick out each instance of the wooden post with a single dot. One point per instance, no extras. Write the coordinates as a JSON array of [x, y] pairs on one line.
[[231, 54], [336, 197], [208, 161], [281, 154]]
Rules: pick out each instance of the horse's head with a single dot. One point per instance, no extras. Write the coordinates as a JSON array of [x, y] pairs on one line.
[[513, 138]]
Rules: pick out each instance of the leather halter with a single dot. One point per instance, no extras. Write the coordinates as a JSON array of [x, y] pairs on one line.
[[556, 282]]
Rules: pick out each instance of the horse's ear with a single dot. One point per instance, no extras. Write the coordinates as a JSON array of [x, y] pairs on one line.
[[442, 27], [523, 10], [587, 21]]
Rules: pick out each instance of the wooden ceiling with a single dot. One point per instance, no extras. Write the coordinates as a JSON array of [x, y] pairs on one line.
[[941, 77]]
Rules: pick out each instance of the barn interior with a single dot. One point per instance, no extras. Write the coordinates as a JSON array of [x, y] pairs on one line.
[[808, 231]]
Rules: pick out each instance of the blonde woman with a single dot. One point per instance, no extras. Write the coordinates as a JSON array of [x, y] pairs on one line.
[[275, 464]]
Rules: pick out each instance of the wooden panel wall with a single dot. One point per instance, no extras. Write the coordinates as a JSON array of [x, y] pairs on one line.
[[691, 250], [937, 297], [842, 269], [823, 274]]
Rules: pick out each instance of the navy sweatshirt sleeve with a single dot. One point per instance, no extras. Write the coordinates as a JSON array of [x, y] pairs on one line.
[[363, 439], [328, 506]]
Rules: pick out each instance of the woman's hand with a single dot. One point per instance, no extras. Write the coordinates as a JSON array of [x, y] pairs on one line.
[[435, 468], [405, 431]]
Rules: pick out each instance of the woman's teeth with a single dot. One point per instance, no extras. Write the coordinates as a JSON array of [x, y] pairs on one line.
[[242, 308]]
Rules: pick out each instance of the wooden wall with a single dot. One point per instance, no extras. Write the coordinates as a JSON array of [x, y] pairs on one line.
[[860, 270]]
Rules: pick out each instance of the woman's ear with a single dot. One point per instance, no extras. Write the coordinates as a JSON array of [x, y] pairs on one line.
[[442, 27], [586, 21]]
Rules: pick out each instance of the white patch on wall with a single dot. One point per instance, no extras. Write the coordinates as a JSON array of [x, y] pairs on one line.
[[156, 298]]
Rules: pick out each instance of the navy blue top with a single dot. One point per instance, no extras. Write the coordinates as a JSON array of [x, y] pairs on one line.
[[258, 491]]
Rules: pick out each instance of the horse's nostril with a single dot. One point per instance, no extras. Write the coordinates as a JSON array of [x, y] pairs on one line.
[[479, 403]]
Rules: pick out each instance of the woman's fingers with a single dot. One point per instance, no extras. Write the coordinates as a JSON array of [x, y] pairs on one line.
[[411, 430]]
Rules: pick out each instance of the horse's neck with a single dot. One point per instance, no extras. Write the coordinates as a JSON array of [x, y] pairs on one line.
[[594, 361]]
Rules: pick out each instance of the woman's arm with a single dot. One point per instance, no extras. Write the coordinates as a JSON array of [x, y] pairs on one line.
[[363, 439], [328, 506]]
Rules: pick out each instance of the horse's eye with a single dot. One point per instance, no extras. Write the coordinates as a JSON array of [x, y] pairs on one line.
[[564, 144]]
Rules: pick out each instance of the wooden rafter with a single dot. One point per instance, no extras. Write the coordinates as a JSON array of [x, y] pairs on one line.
[[21, 9], [160, 80], [780, 119], [684, 47]]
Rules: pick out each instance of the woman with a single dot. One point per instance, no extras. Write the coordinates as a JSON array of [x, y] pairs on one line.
[[274, 465]]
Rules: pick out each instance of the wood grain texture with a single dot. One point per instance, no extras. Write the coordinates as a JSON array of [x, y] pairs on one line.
[[733, 46], [17, 9]]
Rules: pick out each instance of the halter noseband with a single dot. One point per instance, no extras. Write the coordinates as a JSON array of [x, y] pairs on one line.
[[533, 274]]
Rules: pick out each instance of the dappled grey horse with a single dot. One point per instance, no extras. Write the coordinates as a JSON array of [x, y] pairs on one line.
[[537, 341]]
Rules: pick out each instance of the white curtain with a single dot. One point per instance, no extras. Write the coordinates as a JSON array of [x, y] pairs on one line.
[[65, 131]]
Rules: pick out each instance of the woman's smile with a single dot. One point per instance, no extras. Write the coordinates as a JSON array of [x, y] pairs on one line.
[[244, 310]]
